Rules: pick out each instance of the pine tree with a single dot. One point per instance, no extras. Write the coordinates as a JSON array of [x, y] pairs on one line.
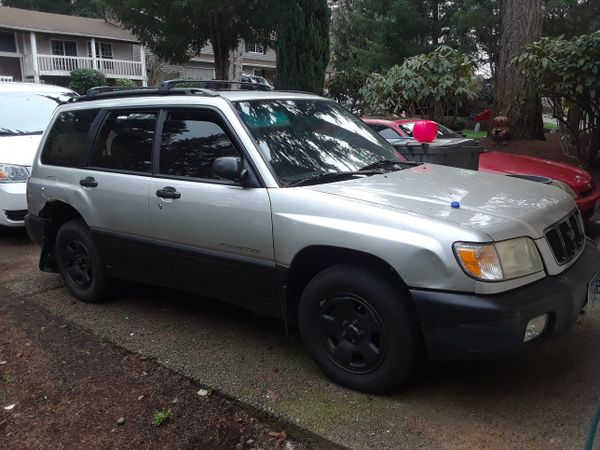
[[303, 45]]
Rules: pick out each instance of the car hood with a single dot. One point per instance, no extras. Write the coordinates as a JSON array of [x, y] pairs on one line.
[[498, 206], [509, 163], [19, 150]]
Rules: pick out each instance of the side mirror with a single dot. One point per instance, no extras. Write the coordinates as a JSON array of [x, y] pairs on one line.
[[230, 168]]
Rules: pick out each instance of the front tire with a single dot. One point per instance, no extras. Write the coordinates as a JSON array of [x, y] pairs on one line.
[[79, 262], [359, 326]]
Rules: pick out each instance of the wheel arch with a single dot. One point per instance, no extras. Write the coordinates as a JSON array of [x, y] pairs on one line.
[[56, 213], [311, 260]]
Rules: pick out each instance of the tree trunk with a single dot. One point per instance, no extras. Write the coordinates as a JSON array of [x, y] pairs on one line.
[[221, 52], [515, 96]]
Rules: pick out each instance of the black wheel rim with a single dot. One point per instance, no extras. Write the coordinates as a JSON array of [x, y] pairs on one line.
[[78, 264], [351, 332]]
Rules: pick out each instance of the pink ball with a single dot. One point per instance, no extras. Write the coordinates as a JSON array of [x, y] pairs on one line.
[[425, 131]]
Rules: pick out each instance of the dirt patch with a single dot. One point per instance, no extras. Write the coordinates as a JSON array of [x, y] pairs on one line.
[[70, 390]]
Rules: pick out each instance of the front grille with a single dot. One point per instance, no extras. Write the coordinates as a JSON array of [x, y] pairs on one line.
[[566, 237], [17, 215]]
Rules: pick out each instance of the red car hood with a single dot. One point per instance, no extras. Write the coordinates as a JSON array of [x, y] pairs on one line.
[[508, 163]]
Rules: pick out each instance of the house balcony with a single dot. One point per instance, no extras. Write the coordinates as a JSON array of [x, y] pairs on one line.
[[61, 66]]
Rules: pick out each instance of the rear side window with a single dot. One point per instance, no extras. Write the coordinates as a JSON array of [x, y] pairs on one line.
[[65, 144], [191, 141], [125, 141]]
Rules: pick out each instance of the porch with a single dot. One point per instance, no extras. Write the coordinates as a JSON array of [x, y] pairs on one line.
[[61, 66]]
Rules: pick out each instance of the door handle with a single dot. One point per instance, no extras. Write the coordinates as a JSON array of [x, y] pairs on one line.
[[168, 192], [88, 182]]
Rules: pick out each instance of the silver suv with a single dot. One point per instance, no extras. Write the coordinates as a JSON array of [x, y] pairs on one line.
[[286, 204]]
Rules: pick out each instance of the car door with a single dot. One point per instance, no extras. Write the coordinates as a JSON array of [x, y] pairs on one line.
[[215, 236], [115, 182]]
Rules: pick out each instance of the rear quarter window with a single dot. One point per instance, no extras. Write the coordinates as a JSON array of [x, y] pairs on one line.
[[65, 144]]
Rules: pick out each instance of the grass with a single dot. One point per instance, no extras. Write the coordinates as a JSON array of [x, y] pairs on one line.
[[472, 135], [161, 416]]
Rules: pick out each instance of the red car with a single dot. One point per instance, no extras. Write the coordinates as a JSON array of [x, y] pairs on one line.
[[575, 181]]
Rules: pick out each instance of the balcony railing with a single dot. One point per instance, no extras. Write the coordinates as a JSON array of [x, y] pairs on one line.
[[63, 65]]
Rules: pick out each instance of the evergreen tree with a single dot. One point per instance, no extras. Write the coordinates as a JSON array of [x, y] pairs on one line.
[[175, 31], [376, 34], [85, 8], [303, 45], [516, 96]]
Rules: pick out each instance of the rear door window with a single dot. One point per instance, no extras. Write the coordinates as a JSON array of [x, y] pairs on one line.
[[124, 142], [65, 144]]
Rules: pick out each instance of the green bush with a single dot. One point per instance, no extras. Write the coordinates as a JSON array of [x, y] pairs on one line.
[[124, 82], [83, 79], [566, 73], [455, 123], [437, 81]]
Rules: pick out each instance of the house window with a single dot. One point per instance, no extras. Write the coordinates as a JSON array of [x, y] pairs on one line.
[[7, 42], [256, 47], [103, 50], [63, 48]]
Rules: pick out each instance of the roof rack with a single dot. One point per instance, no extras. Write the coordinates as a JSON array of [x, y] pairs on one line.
[[208, 88], [106, 92], [215, 85]]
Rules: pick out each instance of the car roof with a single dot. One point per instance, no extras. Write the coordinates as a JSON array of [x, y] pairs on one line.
[[183, 97], [244, 95], [34, 88]]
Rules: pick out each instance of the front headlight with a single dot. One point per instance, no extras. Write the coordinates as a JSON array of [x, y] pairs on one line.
[[500, 260], [565, 187], [13, 174]]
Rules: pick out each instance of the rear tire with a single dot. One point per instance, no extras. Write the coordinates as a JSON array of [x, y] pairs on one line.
[[79, 262], [359, 326]]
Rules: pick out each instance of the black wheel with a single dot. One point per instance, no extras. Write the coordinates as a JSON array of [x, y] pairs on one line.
[[79, 262], [359, 327]]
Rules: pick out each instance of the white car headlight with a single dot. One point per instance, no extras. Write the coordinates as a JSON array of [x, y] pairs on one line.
[[13, 174], [565, 187], [499, 261]]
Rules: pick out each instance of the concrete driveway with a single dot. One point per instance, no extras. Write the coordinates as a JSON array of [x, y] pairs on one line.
[[541, 399]]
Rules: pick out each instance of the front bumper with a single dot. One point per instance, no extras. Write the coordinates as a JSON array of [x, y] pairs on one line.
[[589, 203], [13, 204], [456, 324]]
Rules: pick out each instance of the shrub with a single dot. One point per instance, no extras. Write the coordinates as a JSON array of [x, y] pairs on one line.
[[83, 79], [567, 73], [455, 123], [439, 81], [124, 82], [345, 85]]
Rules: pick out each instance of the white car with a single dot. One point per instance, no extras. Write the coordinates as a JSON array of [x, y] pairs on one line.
[[25, 110]]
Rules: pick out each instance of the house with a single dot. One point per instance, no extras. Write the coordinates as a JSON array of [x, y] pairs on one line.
[[44, 47], [250, 58]]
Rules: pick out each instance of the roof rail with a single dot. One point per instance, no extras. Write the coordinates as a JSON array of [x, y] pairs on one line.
[[214, 85], [104, 92], [93, 91]]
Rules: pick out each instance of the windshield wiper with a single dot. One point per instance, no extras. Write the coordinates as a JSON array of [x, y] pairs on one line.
[[329, 176], [391, 164]]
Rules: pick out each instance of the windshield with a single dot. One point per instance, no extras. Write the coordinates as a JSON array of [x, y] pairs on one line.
[[306, 138], [443, 132], [27, 113]]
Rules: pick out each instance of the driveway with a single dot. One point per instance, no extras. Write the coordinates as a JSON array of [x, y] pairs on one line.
[[540, 399]]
